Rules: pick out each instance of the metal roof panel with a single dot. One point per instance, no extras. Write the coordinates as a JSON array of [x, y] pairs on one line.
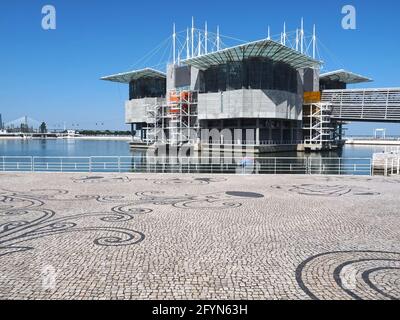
[[345, 76], [127, 77], [262, 48]]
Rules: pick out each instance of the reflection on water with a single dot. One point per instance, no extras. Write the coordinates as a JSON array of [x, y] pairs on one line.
[[108, 153], [85, 148], [349, 151]]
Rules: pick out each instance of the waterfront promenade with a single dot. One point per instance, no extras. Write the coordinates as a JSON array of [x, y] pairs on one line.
[[155, 236]]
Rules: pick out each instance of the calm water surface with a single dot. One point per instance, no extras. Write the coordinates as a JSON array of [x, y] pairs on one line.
[[85, 148], [63, 148]]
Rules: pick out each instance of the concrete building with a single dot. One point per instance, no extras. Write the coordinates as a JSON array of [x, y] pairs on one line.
[[263, 94]]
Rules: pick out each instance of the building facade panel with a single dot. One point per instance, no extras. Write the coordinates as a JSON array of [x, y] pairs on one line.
[[250, 103], [136, 110]]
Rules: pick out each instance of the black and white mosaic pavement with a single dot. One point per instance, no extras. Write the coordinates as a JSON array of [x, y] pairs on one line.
[[144, 236]]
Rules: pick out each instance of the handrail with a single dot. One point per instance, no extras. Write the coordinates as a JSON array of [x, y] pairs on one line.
[[212, 164]]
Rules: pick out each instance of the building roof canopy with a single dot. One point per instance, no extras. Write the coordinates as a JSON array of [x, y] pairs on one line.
[[258, 49], [344, 76], [127, 77]]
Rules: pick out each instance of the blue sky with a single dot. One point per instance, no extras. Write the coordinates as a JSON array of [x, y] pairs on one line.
[[54, 75]]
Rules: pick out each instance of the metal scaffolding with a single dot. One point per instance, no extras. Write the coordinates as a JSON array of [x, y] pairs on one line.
[[175, 122], [319, 131], [154, 127]]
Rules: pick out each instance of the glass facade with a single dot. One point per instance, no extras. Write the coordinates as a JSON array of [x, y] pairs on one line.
[[326, 84], [147, 88], [257, 73]]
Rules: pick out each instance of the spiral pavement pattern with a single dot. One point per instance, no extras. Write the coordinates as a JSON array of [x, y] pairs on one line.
[[152, 236]]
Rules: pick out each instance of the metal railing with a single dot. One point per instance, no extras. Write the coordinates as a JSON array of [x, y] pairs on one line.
[[387, 163], [389, 167], [228, 165]]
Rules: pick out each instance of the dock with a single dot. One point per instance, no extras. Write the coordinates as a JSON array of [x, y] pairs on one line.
[[373, 142]]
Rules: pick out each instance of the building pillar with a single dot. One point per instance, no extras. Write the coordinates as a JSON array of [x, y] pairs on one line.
[[140, 127], [236, 136], [258, 132], [133, 129], [281, 125], [221, 127]]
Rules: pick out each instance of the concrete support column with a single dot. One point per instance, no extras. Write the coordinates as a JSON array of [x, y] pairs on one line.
[[239, 126], [340, 131], [139, 126], [237, 136], [221, 127], [133, 129], [258, 132]]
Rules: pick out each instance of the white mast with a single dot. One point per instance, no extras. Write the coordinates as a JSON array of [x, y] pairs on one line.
[[302, 36], [199, 45], [187, 44], [206, 38], [269, 33], [174, 44], [218, 39], [314, 38], [297, 39], [192, 37], [284, 33]]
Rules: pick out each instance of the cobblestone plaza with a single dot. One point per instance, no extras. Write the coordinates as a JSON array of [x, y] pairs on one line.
[[153, 236]]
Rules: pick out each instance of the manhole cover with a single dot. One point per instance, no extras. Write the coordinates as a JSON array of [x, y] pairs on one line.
[[244, 194], [93, 178]]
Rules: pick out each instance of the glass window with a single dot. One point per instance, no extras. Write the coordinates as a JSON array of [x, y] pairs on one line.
[[147, 88], [256, 73]]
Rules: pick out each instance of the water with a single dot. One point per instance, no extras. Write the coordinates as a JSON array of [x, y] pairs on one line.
[[63, 148], [85, 148], [116, 156]]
